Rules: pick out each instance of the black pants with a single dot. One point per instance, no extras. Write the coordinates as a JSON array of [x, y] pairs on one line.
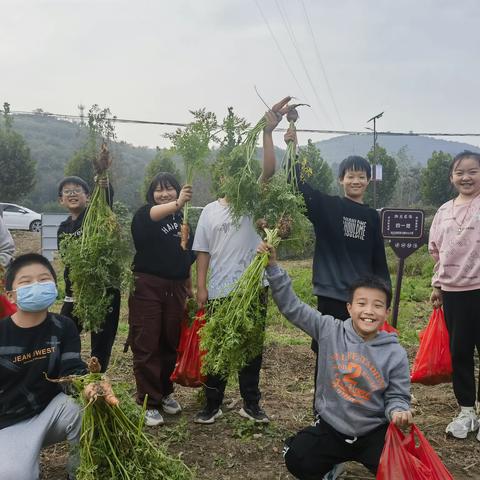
[[314, 451], [462, 316], [337, 309], [248, 377], [102, 341]]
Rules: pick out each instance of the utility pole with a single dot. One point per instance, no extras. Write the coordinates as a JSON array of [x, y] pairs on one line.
[[374, 173], [81, 108]]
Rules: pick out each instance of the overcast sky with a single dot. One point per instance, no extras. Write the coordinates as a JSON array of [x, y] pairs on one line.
[[417, 60]]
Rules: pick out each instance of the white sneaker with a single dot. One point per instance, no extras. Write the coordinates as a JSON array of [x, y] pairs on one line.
[[170, 405], [335, 472], [153, 418], [463, 424]]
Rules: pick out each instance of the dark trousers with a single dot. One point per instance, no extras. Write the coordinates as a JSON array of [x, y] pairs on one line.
[[314, 451], [462, 316], [101, 343], [337, 309], [248, 377], [156, 309]]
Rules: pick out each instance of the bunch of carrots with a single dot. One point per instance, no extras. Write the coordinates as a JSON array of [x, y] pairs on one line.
[[113, 444]]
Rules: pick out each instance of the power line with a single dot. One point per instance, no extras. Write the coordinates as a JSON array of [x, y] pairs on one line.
[[304, 130], [319, 58], [293, 39], [281, 51]]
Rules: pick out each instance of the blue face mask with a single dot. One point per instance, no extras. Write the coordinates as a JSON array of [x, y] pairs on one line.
[[36, 296]]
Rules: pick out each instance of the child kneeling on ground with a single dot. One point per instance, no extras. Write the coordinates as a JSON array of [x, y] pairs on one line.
[[35, 343], [363, 379]]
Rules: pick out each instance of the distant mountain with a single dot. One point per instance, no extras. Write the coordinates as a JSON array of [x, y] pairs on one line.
[[334, 150], [52, 143]]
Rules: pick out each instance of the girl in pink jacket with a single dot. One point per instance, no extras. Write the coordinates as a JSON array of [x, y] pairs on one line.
[[454, 244]]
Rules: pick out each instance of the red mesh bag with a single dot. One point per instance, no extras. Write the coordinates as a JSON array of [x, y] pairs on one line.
[[187, 370], [409, 457], [433, 362], [6, 308]]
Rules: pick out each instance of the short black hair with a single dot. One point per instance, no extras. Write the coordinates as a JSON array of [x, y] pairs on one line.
[[76, 181], [163, 180], [355, 163], [370, 281], [461, 156], [24, 261]]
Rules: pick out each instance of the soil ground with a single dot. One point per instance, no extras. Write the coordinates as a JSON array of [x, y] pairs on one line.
[[234, 449]]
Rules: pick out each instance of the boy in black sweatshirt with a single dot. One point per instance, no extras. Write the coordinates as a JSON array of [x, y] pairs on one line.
[[35, 344], [73, 194]]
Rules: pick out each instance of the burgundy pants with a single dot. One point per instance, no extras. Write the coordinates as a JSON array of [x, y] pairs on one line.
[[156, 309]]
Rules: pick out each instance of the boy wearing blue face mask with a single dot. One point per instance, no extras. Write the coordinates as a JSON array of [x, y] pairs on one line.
[[35, 343]]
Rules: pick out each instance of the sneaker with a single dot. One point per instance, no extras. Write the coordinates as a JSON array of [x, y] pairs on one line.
[[170, 405], [335, 472], [153, 418], [465, 422], [255, 413], [208, 415]]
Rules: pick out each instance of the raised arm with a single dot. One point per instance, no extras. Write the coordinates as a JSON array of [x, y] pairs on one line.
[[158, 212], [308, 319], [272, 118]]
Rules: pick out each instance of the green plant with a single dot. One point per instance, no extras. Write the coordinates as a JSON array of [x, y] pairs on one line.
[[192, 143], [234, 332], [113, 444]]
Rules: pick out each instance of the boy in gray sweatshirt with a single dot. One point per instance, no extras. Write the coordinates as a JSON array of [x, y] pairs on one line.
[[363, 379]]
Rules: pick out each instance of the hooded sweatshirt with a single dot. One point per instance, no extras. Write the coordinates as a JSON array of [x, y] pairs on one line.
[[359, 383]]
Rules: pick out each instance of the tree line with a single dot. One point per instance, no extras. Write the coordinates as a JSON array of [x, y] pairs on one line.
[[404, 183]]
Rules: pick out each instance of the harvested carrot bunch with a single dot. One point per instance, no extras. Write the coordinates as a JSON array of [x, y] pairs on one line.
[[113, 444], [234, 332]]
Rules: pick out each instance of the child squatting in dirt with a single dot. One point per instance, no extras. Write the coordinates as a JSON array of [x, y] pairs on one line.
[[35, 344], [363, 379]]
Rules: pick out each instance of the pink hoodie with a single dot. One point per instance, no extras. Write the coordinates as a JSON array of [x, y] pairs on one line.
[[454, 243]]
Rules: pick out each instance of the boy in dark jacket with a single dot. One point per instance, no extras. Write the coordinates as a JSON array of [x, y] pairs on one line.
[[73, 194], [363, 379], [35, 344]]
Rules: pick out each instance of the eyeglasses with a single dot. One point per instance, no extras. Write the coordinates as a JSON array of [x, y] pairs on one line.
[[74, 191]]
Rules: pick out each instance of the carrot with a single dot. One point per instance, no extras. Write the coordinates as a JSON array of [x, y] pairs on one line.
[[185, 234], [93, 365], [102, 389]]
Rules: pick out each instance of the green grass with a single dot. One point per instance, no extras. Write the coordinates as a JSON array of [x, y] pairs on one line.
[[414, 309]]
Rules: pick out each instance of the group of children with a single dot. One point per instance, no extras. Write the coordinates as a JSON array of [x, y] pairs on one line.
[[361, 375]]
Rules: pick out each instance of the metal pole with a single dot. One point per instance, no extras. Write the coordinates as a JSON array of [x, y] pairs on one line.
[[374, 164], [398, 288]]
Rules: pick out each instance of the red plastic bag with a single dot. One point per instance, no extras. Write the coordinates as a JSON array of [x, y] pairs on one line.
[[388, 328], [6, 308], [433, 362], [187, 370], [409, 457]]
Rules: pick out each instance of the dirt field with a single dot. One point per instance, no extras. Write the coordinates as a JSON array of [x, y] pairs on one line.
[[234, 449]]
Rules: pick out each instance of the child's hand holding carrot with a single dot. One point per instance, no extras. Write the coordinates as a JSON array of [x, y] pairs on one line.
[[265, 247], [275, 115], [94, 391], [185, 195]]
